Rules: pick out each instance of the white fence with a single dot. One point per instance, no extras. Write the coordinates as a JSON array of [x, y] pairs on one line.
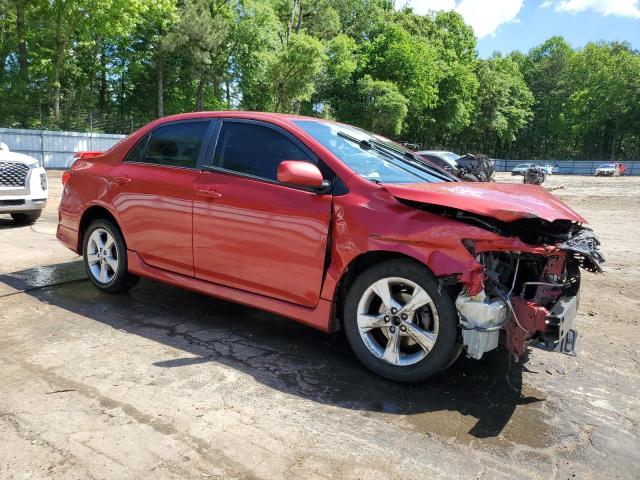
[[55, 149], [571, 167]]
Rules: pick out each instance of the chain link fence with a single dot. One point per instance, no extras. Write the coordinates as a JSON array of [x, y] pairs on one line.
[[14, 114]]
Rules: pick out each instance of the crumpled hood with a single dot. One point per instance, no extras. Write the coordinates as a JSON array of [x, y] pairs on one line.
[[506, 202]]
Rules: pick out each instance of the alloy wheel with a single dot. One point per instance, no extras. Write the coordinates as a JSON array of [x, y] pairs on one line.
[[102, 256], [397, 321]]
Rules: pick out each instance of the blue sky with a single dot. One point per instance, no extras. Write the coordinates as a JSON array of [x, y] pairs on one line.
[[505, 25]]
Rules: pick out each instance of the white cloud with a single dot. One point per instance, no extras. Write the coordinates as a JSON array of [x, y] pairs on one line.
[[623, 8], [485, 17]]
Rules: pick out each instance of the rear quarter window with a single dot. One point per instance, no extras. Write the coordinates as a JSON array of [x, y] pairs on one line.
[[175, 145]]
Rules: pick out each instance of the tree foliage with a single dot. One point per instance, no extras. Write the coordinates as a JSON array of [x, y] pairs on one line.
[[116, 64]]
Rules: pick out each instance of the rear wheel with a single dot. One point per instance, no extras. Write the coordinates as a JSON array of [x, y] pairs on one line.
[[105, 258], [26, 218], [398, 323]]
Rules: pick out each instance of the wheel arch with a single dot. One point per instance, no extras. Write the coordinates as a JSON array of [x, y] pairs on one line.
[[95, 212], [358, 265]]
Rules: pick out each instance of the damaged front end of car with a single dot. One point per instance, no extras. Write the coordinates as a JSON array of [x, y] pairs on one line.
[[529, 296], [521, 281]]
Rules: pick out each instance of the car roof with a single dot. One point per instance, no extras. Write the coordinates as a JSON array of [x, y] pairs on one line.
[[240, 114]]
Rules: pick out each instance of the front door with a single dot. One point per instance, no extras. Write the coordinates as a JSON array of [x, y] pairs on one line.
[[249, 231], [153, 194]]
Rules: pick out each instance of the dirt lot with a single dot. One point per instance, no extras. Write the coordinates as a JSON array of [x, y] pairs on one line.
[[171, 384]]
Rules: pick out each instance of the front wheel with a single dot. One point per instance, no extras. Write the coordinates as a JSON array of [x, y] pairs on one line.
[[399, 323], [105, 258]]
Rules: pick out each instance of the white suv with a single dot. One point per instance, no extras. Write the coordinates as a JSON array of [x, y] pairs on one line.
[[23, 186]]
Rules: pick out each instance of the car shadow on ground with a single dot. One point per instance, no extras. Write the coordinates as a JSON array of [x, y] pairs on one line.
[[7, 223], [280, 353]]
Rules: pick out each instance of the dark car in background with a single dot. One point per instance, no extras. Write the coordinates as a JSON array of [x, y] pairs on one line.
[[443, 159], [470, 168]]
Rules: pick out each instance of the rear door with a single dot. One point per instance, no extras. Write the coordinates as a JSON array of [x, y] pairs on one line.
[[153, 193], [251, 232]]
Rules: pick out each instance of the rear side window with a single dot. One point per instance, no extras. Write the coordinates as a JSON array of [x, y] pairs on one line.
[[137, 153], [254, 150], [176, 145]]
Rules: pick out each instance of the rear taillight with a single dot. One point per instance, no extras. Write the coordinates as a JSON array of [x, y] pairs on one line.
[[66, 176], [86, 155]]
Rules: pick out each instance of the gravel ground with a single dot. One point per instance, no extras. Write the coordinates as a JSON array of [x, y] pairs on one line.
[[172, 384]]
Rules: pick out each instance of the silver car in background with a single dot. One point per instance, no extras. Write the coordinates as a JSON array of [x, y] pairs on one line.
[[521, 168]]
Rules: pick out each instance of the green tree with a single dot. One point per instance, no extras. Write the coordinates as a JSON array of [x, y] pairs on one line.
[[200, 36], [383, 107], [292, 71], [256, 35], [454, 65], [411, 64], [503, 104], [603, 109], [546, 71]]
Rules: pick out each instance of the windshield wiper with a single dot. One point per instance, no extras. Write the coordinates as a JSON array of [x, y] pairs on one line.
[[363, 144], [372, 144], [410, 158], [405, 157]]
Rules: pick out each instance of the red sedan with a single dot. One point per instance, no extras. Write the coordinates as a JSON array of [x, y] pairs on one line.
[[334, 227]]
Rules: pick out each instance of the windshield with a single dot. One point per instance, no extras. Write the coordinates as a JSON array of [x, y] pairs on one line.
[[608, 165], [523, 165], [371, 156]]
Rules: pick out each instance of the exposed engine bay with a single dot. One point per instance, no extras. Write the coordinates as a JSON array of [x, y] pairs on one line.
[[527, 297]]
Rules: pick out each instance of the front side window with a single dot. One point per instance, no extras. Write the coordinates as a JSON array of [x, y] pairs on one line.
[[176, 145], [254, 150]]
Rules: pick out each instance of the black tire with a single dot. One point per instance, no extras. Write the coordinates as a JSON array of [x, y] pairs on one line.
[[467, 177], [444, 351], [27, 217], [123, 281]]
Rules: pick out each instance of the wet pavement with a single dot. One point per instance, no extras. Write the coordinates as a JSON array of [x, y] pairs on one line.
[[173, 384]]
